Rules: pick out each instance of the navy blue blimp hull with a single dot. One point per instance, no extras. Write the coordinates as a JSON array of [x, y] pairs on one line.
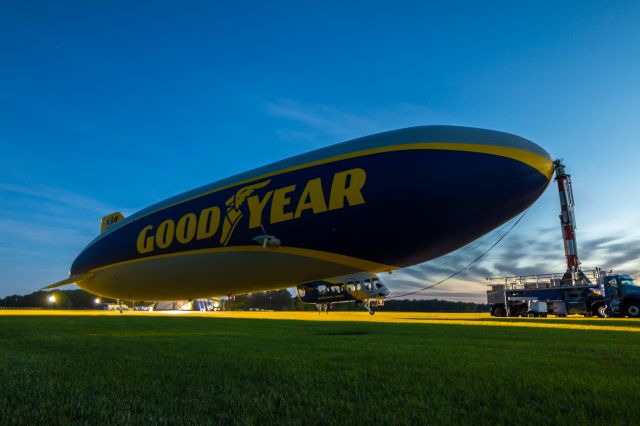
[[374, 204]]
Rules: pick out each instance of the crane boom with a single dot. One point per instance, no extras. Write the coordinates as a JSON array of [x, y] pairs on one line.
[[567, 217]]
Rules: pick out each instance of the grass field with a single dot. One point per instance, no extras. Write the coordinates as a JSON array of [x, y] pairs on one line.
[[343, 368]]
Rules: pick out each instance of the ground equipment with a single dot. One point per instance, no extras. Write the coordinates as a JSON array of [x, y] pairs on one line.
[[600, 293], [575, 291]]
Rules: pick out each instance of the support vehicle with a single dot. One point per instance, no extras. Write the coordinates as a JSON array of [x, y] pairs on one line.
[[600, 293], [575, 291]]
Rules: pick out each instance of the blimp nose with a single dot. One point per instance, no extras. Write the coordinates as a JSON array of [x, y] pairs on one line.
[[536, 158], [522, 157], [464, 183]]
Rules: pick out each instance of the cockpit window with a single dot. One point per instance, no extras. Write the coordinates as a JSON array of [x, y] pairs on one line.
[[322, 288], [367, 284], [628, 281], [378, 284], [301, 292]]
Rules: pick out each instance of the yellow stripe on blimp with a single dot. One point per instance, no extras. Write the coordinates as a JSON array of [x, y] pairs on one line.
[[340, 259], [542, 164]]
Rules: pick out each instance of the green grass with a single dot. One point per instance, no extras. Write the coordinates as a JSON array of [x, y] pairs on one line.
[[88, 370]]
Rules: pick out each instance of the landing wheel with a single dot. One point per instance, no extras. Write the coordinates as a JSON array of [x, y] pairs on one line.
[[632, 310], [372, 312]]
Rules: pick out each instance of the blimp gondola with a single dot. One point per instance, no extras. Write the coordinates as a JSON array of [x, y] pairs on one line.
[[373, 204]]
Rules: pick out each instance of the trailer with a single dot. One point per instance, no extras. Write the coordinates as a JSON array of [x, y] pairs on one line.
[[595, 293], [575, 291]]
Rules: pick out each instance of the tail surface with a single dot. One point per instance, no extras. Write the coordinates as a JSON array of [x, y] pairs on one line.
[[72, 279], [109, 220]]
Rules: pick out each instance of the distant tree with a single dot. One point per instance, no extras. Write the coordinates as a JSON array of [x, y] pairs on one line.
[[271, 300], [406, 305], [65, 299], [433, 305], [278, 300]]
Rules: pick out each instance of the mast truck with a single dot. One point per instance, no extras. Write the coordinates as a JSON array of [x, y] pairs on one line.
[[590, 293]]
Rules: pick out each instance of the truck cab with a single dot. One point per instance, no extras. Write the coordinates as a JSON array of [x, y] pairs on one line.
[[622, 295]]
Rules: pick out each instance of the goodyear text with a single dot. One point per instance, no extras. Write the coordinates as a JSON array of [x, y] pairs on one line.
[[259, 202]]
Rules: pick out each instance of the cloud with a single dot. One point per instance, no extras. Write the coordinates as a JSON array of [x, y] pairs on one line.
[[322, 123], [41, 230], [618, 254], [529, 252], [29, 233], [58, 196]]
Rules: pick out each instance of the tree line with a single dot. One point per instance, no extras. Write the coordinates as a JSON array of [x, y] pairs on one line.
[[277, 300]]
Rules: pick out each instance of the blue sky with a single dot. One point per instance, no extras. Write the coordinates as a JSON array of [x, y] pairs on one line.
[[114, 106]]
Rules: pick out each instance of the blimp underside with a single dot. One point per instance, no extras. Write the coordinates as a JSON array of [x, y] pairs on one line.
[[374, 204], [209, 274]]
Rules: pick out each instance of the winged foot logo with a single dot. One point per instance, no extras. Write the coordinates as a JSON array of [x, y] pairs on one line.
[[346, 191], [234, 214]]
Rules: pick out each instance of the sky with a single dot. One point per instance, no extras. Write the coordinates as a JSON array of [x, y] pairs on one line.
[[112, 106]]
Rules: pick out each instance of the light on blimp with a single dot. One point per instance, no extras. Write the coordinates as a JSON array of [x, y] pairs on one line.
[[97, 300], [52, 299], [216, 305]]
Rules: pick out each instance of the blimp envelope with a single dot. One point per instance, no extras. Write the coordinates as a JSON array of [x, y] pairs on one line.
[[374, 204]]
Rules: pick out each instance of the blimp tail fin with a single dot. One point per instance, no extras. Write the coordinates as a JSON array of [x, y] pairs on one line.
[[72, 279], [109, 220]]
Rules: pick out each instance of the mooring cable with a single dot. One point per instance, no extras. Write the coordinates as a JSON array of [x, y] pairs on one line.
[[467, 265], [454, 258], [470, 248]]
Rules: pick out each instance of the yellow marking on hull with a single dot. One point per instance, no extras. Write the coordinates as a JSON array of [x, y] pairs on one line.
[[542, 164], [354, 262]]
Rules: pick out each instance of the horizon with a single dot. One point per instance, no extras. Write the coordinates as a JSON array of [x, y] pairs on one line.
[[114, 108]]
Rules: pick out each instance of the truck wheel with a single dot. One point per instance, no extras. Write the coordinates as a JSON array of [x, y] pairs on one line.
[[632, 310], [604, 311]]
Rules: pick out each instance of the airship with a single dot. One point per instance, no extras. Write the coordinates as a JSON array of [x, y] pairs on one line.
[[369, 205]]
